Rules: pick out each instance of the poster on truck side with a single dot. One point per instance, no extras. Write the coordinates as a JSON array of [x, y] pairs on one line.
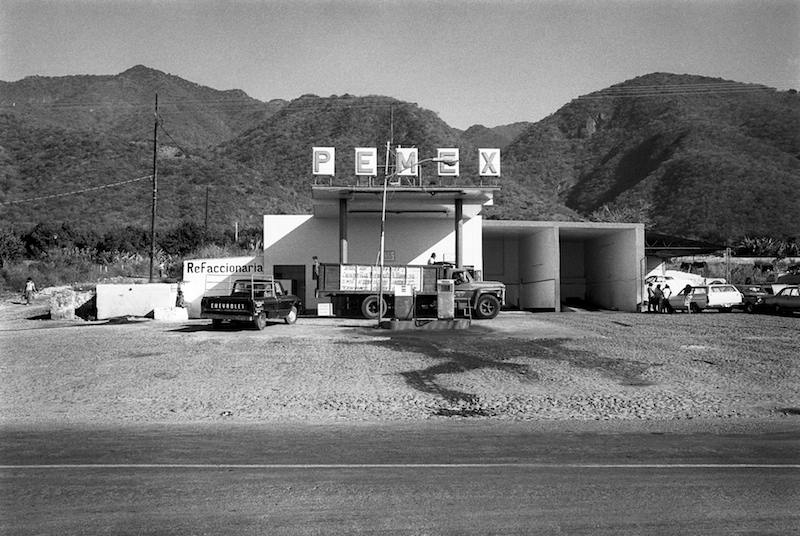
[[365, 278]]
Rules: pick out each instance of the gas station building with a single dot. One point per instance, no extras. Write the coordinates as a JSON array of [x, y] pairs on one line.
[[543, 264]]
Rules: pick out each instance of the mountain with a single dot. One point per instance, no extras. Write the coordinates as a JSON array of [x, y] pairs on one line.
[[688, 155], [693, 156], [500, 137], [123, 105]]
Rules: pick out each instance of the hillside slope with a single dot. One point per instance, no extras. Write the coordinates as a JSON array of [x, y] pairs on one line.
[[694, 156], [122, 105], [688, 155]]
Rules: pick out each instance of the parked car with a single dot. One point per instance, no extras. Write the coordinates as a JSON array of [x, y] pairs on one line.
[[720, 297], [751, 295], [785, 300]]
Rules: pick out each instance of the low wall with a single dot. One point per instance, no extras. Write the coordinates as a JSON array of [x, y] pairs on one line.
[[134, 300]]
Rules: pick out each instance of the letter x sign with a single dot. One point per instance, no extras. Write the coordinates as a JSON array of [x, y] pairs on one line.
[[489, 162]]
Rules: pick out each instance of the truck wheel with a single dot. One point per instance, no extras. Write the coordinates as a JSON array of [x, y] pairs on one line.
[[369, 307], [291, 318], [488, 307], [216, 323], [260, 322], [694, 307]]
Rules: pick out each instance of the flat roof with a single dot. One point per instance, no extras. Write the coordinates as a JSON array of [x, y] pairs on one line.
[[568, 230]]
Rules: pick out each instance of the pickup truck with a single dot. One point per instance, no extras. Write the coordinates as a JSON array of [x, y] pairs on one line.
[[356, 287], [251, 300]]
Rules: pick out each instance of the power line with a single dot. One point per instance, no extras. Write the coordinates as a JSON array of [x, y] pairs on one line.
[[189, 156], [75, 192]]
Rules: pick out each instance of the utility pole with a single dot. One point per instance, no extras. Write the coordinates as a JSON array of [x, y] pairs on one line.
[[205, 228], [155, 193]]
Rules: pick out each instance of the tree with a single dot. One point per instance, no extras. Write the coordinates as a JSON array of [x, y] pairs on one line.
[[11, 246]]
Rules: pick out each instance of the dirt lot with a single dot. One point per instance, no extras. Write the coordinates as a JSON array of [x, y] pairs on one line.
[[569, 366]]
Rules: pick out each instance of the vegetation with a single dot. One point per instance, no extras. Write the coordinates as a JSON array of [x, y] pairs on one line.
[[686, 155], [66, 254]]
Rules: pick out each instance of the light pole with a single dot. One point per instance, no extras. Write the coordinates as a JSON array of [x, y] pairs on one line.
[[449, 162]]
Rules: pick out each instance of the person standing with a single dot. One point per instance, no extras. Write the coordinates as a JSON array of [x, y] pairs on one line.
[[432, 259], [314, 268], [650, 304], [666, 307], [687, 298], [658, 295], [30, 290]]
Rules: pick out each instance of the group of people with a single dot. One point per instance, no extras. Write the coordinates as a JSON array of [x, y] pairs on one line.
[[658, 299]]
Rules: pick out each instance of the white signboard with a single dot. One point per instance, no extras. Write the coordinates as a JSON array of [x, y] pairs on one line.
[[445, 169], [366, 161], [324, 160], [407, 161], [403, 290], [489, 162]]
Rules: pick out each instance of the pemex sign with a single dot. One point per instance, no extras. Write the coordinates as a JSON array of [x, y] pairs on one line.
[[366, 161]]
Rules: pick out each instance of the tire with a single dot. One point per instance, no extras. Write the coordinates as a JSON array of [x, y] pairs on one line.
[[369, 307], [749, 308], [778, 309], [216, 323], [291, 318], [260, 322], [694, 307], [488, 307]]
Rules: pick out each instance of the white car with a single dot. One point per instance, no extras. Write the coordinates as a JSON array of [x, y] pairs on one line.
[[720, 297]]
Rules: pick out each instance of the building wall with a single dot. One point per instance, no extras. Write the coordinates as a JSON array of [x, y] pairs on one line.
[[294, 240], [539, 256], [546, 263], [613, 278], [501, 263]]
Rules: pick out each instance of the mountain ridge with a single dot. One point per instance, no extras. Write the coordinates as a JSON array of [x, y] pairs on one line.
[[685, 154]]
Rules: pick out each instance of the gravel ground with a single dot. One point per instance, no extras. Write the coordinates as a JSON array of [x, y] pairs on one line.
[[586, 366]]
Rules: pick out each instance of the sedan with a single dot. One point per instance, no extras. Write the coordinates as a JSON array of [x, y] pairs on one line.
[[785, 301]]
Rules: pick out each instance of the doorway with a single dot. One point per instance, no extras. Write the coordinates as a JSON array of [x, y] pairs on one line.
[[293, 277]]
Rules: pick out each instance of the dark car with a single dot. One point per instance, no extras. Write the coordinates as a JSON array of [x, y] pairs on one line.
[[751, 295], [785, 300]]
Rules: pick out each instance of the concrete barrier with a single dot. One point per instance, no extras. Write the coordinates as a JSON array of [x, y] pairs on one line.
[[171, 314], [134, 300]]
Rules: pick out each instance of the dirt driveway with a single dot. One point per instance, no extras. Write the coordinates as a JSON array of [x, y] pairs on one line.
[[520, 366]]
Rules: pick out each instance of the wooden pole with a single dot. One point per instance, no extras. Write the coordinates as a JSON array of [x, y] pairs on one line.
[[155, 194]]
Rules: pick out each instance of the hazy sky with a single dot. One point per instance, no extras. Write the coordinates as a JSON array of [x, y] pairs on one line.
[[489, 62]]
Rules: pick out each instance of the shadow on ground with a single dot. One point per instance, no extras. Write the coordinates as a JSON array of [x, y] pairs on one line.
[[480, 348]]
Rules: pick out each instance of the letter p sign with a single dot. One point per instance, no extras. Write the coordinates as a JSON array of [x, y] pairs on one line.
[[489, 162], [324, 161]]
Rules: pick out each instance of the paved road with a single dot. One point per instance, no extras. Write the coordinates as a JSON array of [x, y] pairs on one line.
[[462, 477]]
